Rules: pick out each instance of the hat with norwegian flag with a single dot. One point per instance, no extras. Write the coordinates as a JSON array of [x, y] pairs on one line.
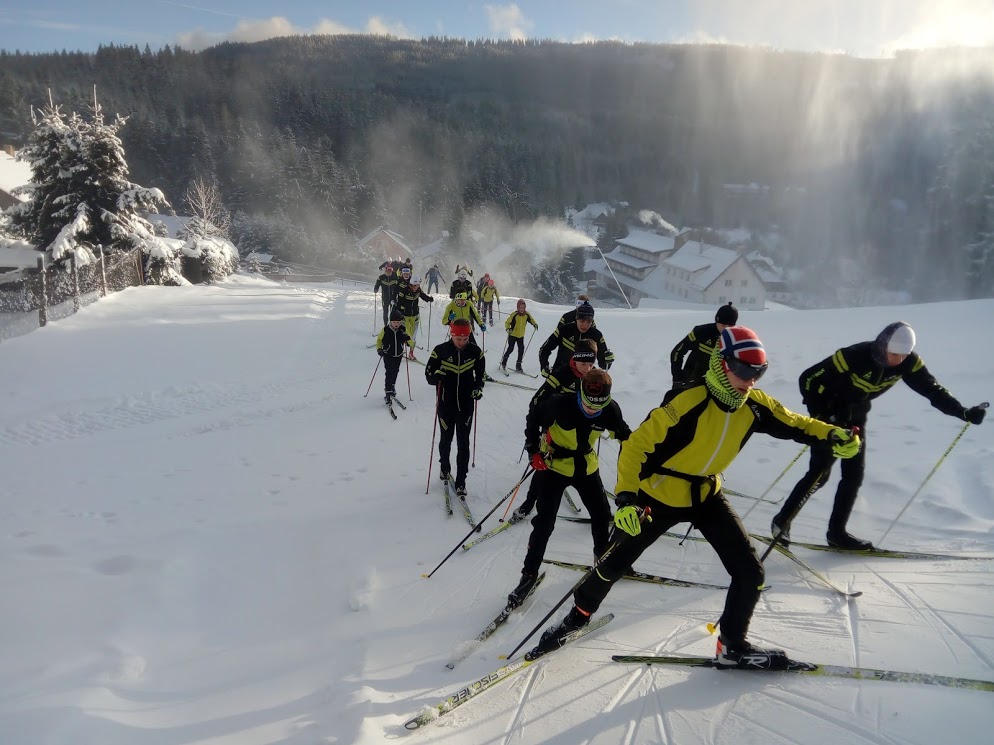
[[742, 344]]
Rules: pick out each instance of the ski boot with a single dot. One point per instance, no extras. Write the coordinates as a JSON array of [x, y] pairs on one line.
[[847, 541], [776, 526], [747, 657], [519, 593], [555, 636]]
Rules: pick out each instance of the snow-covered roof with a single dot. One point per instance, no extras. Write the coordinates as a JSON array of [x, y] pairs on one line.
[[18, 254], [634, 263], [705, 261], [260, 257], [592, 211], [396, 237], [13, 173], [429, 249], [646, 240]]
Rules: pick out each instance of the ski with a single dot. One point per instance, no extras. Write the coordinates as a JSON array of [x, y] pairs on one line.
[[526, 374], [448, 498], [389, 404], [640, 576], [504, 370], [829, 671], [574, 519], [570, 502], [734, 493], [397, 401], [882, 553], [513, 520], [814, 572], [468, 514], [534, 654], [512, 385], [431, 713], [493, 626]]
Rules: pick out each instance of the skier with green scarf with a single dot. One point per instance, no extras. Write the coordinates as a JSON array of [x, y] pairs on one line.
[[669, 471]]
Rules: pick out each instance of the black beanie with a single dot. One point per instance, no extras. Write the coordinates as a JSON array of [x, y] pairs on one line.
[[727, 314], [396, 315], [585, 310]]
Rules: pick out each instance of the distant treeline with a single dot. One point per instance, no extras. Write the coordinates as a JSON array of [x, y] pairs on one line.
[[886, 165]]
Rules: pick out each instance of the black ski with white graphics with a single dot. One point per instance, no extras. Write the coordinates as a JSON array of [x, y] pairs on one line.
[[467, 513], [389, 403], [882, 553], [513, 520], [826, 671], [493, 626], [448, 498], [640, 576], [458, 698]]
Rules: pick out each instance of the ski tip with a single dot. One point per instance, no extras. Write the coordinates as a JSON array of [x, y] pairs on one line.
[[426, 576], [502, 657], [858, 593], [711, 627]]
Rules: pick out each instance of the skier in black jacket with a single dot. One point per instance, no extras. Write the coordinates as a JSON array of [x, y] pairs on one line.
[[689, 359], [390, 346], [840, 389], [457, 369], [564, 341], [388, 282]]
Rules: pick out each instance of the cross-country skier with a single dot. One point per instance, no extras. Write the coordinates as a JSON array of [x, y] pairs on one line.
[[390, 346], [564, 341], [515, 326]]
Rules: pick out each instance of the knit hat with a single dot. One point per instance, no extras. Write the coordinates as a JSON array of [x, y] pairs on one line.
[[491, 283], [461, 296], [586, 351], [415, 280], [896, 338], [396, 315], [585, 311], [459, 327], [727, 314], [595, 389], [405, 270]]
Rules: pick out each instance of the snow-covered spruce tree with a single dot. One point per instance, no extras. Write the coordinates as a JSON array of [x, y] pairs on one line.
[[81, 197], [206, 232]]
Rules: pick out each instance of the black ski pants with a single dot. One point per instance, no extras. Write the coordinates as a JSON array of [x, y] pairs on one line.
[[391, 366], [512, 342], [722, 528], [819, 469], [550, 486], [455, 421]]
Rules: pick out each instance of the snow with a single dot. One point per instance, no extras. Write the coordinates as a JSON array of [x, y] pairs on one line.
[[211, 537], [14, 173]]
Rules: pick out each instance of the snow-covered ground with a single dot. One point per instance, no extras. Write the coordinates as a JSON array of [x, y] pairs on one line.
[[211, 536]]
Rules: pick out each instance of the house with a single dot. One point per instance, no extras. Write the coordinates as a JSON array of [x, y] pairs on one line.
[[384, 244], [13, 173], [774, 277], [649, 265]]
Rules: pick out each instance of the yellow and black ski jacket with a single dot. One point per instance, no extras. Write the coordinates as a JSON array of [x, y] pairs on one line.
[[407, 300], [515, 323], [560, 428], [468, 311], [842, 386], [488, 294], [462, 285], [689, 359], [391, 342], [677, 454], [389, 284], [565, 341], [459, 371]]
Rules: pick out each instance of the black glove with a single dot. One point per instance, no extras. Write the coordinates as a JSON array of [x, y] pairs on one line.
[[624, 499], [381, 352], [975, 414], [477, 394]]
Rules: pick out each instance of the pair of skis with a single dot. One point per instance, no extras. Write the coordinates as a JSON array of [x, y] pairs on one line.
[[462, 503], [507, 373], [390, 401]]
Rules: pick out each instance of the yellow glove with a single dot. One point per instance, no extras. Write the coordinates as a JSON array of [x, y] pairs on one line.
[[628, 519], [845, 444]]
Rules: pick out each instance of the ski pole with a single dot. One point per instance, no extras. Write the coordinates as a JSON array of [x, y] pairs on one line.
[[378, 358], [513, 497], [775, 482], [476, 410], [374, 312], [931, 473], [410, 397], [534, 329], [785, 528], [434, 428], [528, 472], [607, 552]]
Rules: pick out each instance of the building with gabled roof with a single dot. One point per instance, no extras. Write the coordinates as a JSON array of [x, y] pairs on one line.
[[649, 265], [384, 244]]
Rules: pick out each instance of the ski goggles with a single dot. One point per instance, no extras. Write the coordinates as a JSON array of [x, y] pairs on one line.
[[744, 370]]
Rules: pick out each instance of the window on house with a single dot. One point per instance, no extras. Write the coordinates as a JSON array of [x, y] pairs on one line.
[[745, 282], [728, 283], [721, 300]]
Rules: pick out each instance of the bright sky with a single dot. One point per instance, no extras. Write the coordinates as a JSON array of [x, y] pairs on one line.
[[857, 27]]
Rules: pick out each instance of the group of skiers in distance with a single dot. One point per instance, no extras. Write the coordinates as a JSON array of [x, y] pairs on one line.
[[669, 467]]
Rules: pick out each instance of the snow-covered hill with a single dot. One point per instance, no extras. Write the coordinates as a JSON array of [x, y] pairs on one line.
[[211, 536]]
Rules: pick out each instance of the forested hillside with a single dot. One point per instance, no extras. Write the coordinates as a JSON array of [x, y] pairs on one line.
[[885, 165]]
